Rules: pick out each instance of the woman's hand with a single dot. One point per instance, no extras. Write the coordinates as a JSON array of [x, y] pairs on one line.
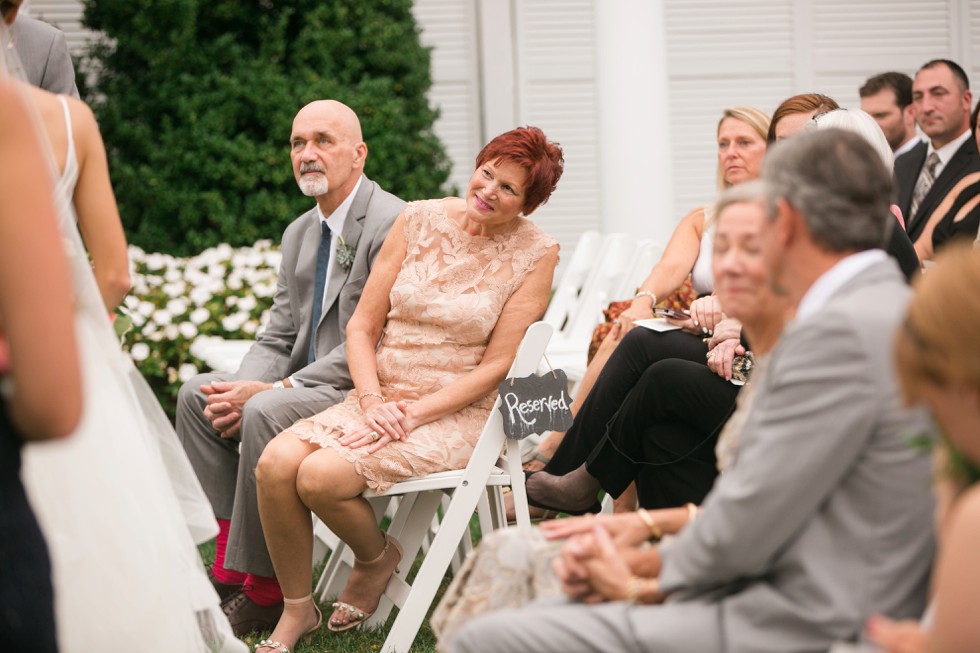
[[625, 528], [641, 308], [571, 568], [384, 422], [609, 573], [725, 330], [706, 313], [897, 636], [720, 358]]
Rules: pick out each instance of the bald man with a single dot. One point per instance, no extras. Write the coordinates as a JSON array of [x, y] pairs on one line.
[[298, 366]]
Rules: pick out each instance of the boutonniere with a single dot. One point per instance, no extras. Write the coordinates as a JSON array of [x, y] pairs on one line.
[[345, 254]]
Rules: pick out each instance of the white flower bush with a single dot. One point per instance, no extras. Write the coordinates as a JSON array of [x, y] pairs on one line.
[[222, 292]]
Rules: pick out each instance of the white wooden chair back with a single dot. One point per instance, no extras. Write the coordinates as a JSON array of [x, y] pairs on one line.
[[565, 301]]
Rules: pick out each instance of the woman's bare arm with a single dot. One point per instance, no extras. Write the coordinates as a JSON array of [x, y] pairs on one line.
[[36, 304]]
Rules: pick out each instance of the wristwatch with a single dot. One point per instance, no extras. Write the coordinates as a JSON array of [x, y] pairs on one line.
[[279, 384]]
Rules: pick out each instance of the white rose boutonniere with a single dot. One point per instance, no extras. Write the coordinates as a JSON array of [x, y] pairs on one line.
[[345, 254]]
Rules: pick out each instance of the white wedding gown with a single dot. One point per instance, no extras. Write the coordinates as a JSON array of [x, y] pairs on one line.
[[118, 502]]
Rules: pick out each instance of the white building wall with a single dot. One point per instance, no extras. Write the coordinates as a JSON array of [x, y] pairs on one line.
[[502, 63]]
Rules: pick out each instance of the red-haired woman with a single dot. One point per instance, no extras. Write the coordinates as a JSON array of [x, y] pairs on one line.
[[454, 287]]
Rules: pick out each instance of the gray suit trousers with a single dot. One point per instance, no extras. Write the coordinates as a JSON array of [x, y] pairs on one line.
[[226, 468], [558, 625]]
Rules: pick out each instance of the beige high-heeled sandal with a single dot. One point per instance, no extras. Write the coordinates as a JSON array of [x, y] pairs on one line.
[[278, 647], [357, 615]]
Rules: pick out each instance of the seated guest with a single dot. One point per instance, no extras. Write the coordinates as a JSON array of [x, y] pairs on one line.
[[501, 573], [794, 112], [899, 246], [626, 352], [454, 288], [779, 558], [887, 97], [939, 365], [926, 174], [663, 435], [958, 215]]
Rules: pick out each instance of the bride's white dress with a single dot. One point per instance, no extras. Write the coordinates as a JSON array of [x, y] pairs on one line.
[[118, 502]]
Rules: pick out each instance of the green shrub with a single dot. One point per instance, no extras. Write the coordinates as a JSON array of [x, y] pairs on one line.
[[177, 302], [195, 99]]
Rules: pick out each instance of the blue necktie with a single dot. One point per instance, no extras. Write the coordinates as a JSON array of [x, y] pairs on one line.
[[320, 283]]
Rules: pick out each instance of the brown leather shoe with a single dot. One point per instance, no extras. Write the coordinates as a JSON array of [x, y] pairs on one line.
[[246, 616], [224, 590]]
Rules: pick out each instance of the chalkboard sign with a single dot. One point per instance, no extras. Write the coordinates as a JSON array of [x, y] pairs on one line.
[[535, 404]]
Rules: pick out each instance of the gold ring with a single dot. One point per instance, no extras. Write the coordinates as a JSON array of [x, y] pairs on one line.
[[374, 434], [709, 355]]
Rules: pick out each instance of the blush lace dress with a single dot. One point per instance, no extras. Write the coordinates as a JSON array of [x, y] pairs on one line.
[[445, 302]]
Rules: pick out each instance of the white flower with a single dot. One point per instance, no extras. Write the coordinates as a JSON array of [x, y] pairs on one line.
[[175, 289], [177, 306], [250, 327], [216, 271], [172, 275], [199, 315], [170, 332], [233, 322], [186, 372], [162, 317], [247, 303], [200, 295], [231, 300], [131, 302], [235, 281], [139, 351], [155, 262], [146, 308], [187, 329], [149, 329]]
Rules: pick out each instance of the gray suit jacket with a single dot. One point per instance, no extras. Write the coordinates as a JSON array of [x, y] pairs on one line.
[[826, 515], [43, 51], [281, 350]]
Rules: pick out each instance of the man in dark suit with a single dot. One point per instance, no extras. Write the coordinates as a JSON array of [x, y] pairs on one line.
[[298, 365], [941, 97], [43, 52]]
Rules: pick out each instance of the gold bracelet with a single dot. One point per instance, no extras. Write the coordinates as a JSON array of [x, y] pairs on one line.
[[692, 512], [647, 519], [637, 588], [370, 394]]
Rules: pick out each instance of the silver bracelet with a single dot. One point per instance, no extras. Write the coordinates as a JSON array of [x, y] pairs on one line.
[[361, 395]]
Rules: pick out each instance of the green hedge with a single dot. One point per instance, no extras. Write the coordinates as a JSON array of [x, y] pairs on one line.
[[195, 99]]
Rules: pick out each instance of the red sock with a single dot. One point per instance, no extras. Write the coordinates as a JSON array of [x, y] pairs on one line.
[[223, 575], [263, 590]]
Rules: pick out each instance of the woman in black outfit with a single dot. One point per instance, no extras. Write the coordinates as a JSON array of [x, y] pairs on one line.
[[40, 388], [657, 422]]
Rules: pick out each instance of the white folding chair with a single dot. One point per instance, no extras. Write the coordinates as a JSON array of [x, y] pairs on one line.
[[648, 252], [477, 488], [570, 352], [565, 301]]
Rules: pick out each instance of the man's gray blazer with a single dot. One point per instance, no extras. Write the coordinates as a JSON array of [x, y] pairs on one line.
[[826, 516], [282, 348], [43, 51]]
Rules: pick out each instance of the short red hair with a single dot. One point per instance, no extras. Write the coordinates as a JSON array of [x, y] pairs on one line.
[[529, 148]]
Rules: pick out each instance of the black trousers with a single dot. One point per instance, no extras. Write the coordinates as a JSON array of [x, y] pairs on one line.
[[665, 414]]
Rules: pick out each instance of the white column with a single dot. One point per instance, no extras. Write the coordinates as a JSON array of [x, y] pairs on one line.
[[497, 75], [634, 122]]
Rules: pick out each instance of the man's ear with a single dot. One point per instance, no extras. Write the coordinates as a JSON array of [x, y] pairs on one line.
[[786, 224], [360, 155]]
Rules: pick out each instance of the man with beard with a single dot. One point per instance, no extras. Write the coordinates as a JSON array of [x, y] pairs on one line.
[[298, 365]]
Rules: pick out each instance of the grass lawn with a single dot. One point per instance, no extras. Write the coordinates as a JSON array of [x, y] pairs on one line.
[[358, 640]]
